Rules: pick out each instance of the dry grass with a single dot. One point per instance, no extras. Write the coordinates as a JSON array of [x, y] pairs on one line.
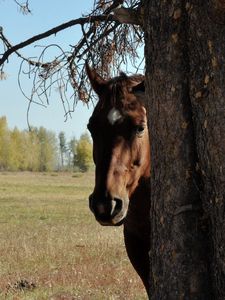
[[52, 248]]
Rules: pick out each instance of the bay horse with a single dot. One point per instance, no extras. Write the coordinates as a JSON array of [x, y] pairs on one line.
[[121, 153]]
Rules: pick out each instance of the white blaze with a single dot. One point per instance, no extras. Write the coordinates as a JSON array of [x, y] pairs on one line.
[[114, 115]]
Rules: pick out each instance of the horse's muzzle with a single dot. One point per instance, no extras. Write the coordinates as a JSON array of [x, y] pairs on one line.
[[108, 211]]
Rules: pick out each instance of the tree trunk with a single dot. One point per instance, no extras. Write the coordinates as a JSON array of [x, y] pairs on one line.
[[186, 110], [207, 90]]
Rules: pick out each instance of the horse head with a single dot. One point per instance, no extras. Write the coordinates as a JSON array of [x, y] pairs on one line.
[[121, 150]]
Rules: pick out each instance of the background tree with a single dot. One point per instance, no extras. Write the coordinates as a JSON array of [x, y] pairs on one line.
[[33, 148], [47, 144], [62, 147], [185, 61], [84, 153], [19, 150], [15, 151], [72, 146], [37, 150], [4, 143]]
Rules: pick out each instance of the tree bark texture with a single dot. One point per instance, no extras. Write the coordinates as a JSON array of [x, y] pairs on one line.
[[207, 91], [183, 148]]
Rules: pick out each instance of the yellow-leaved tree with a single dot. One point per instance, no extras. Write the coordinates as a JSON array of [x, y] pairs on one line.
[[84, 153]]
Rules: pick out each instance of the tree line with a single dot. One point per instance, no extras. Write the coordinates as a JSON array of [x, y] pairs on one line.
[[41, 150]]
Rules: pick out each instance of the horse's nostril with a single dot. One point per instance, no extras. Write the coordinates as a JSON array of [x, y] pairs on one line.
[[108, 212], [117, 205]]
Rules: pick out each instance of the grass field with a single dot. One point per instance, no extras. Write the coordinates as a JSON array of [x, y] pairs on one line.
[[51, 247]]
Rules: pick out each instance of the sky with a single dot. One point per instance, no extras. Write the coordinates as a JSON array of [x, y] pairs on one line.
[[18, 27]]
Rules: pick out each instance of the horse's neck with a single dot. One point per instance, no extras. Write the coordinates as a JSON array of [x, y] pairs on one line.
[[137, 220], [141, 196]]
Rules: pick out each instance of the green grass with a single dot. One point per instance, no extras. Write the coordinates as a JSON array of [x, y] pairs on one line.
[[50, 241]]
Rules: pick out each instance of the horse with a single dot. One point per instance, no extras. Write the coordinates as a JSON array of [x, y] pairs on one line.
[[121, 153]]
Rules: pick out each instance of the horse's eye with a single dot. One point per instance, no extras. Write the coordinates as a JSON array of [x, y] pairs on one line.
[[139, 130]]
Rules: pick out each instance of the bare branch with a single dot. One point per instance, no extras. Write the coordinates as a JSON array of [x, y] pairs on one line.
[[106, 44], [52, 31], [24, 7]]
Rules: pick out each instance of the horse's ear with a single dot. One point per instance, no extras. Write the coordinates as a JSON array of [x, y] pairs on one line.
[[135, 80], [139, 88], [97, 82], [139, 91]]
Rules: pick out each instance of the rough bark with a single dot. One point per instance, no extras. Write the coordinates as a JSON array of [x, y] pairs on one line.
[[216, 9], [179, 253], [207, 90]]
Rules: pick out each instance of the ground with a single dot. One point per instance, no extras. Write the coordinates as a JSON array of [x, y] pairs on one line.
[[51, 247]]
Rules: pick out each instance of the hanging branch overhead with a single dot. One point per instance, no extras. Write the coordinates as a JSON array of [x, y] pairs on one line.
[[81, 21], [111, 36]]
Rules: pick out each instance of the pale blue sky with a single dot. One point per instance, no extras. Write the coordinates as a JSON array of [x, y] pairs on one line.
[[17, 27]]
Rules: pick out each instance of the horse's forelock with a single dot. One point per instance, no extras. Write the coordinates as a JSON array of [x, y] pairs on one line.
[[121, 85], [124, 80]]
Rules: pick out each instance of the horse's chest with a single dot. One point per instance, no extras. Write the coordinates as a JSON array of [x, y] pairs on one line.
[[137, 222]]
